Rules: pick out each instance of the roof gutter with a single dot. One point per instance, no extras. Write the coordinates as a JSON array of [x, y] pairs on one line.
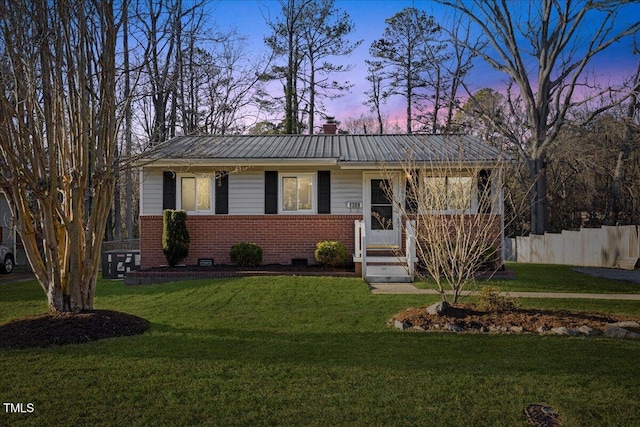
[[235, 162]]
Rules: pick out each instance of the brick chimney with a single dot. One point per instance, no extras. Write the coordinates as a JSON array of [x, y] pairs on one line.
[[330, 127]]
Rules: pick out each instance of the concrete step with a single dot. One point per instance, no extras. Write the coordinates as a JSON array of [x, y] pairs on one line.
[[387, 279], [390, 260], [380, 273]]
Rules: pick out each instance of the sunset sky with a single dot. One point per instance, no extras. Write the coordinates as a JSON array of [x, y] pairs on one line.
[[249, 17]]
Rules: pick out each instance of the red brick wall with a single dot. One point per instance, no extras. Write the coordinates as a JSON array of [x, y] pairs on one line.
[[282, 237], [491, 224]]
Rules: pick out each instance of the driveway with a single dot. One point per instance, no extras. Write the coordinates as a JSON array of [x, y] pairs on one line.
[[18, 275], [611, 273]]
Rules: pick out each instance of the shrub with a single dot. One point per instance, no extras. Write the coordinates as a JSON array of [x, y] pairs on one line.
[[489, 259], [489, 299], [175, 236], [246, 254], [331, 253]]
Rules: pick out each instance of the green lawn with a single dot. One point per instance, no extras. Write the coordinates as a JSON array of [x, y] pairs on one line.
[[554, 278], [311, 352]]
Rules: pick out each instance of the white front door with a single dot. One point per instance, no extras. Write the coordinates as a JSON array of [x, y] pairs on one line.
[[381, 216]]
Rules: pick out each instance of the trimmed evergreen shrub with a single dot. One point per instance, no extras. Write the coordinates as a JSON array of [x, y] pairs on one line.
[[331, 252], [175, 236], [246, 254]]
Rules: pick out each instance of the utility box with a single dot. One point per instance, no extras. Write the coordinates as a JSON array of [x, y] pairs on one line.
[[115, 264]]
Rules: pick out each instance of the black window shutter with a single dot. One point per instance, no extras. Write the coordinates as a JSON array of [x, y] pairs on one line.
[[324, 192], [270, 192], [168, 190], [484, 191], [222, 194], [411, 187]]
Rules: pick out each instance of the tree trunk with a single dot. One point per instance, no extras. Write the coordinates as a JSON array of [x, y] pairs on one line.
[[538, 195], [312, 95], [409, 102]]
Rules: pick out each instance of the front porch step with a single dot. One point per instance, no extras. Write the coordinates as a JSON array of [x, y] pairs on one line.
[[381, 273], [390, 260]]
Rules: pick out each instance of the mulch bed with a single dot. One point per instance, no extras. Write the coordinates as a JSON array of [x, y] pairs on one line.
[[165, 274], [471, 319], [69, 328]]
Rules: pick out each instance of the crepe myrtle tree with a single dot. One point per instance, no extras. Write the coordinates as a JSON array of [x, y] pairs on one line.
[[454, 208], [58, 127]]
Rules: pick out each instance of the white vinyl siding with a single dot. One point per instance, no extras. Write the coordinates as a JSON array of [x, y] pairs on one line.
[[346, 186], [152, 192], [246, 193], [246, 190]]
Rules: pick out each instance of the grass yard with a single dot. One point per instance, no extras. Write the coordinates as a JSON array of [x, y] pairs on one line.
[[552, 278], [310, 351]]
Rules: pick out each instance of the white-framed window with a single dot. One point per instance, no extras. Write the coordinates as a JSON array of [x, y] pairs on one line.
[[298, 195], [195, 193], [448, 194]]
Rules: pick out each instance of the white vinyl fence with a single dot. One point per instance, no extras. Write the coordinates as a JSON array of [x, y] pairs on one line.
[[590, 247]]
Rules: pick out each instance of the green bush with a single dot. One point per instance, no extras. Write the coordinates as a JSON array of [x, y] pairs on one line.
[[331, 253], [489, 299], [246, 254], [175, 236], [489, 259]]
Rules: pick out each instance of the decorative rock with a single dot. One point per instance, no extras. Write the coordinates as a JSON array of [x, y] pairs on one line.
[[632, 335], [626, 324], [615, 332], [439, 308], [402, 325], [564, 331], [543, 329], [517, 329], [418, 328], [589, 331], [451, 327]]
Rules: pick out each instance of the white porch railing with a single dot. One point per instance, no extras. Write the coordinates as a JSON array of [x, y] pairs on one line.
[[410, 245], [361, 246], [360, 243]]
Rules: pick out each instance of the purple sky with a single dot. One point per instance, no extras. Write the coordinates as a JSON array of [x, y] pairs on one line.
[[248, 16]]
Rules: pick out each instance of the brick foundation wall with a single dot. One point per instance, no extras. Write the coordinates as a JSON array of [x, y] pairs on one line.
[[282, 237], [492, 224]]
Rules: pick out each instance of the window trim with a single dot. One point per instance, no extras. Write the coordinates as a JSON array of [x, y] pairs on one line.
[[211, 178], [314, 195]]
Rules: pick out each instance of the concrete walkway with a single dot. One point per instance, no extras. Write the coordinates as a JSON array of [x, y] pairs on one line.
[[408, 289]]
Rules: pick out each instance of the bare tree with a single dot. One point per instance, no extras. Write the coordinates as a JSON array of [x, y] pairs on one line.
[[375, 98], [456, 209], [160, 29], [225, 86], [307, 34], [458, 65], [543, 52], [630, 131], [285, 41], [58, 126]]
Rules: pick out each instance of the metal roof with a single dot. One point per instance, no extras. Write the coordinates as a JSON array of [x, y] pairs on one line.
[[341, 149]]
